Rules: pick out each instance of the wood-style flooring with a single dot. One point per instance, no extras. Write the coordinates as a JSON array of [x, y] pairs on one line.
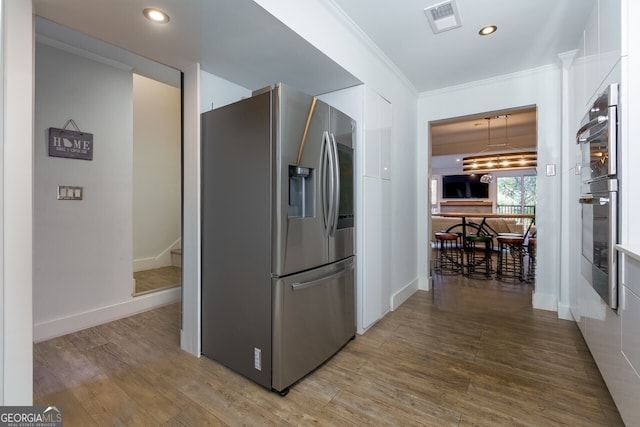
[[157, 279], [469, 353]]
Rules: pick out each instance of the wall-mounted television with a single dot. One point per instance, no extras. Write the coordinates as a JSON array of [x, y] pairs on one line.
[[464, 187]]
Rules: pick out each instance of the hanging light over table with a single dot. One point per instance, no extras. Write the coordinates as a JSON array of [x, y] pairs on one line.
[[510, 160]]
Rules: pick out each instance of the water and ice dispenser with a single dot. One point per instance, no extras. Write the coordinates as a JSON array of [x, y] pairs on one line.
[[301, 192]]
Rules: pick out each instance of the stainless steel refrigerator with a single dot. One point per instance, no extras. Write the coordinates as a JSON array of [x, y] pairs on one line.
[[278, 293]]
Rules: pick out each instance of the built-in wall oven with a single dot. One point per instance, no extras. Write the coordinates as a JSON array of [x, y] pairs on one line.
[[599, 171]]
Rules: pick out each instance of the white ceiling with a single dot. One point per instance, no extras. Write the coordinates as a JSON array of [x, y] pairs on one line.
[[530, 34], [239, 41], [515, 128], [485, 133], [233, 39]]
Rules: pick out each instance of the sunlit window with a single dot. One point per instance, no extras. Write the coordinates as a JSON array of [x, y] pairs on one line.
[[516, 194]]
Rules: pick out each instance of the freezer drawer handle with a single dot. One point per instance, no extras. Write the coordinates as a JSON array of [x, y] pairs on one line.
[[304, 285]]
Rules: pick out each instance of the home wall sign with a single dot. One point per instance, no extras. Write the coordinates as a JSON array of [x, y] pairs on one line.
[[70, 144]]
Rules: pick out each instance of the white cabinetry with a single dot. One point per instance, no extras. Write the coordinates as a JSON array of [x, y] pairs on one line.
[[620, 363], [609, 37], [372, 243], [613, 337], [376, 214], [601, 48], [377, 141], [630, 312]]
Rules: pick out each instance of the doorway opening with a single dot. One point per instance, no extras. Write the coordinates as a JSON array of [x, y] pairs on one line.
[[157, 185], [482, 215]]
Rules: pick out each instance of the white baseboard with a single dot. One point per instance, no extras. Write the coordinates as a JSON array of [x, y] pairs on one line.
[[142, 264], [76, 322], [163, 259], [547, 302], [425, 283], [564, 312], [403, 294]]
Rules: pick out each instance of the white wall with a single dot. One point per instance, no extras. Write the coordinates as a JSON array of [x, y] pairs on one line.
[[2, 26], [216, 92], [540, 87], [190, 339], [83, 249], [16, 371], [156, 172], [345, 45], [82, 254]]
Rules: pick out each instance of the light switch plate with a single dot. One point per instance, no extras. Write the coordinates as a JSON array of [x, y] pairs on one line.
[[551, 170]]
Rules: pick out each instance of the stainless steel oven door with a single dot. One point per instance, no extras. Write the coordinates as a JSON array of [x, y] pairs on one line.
[[599, 237], [598, 137]]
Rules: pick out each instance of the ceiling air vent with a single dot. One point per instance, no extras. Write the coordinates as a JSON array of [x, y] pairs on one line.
[[443, 16]]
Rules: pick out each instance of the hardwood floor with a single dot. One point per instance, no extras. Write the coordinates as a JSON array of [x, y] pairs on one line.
[[470, 353], [157, 279]]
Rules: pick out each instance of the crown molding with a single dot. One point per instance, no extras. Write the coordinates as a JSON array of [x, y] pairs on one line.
[[366, 41], [60, 37], [81, 52], [490, 80]]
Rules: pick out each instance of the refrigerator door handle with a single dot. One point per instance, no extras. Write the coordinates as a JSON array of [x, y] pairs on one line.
[[336, 187], [325, 162], [332, 185]]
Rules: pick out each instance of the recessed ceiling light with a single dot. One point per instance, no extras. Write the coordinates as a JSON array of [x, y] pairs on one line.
[[489, 29], [156, 15]]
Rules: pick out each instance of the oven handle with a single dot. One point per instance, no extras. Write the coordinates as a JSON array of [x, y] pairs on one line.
[[593, 123], [594, 200]]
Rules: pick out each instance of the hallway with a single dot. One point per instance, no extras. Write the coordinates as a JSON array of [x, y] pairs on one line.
[[470, 353]]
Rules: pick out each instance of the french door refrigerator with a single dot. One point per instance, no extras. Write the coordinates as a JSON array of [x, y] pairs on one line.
[[277, 235]]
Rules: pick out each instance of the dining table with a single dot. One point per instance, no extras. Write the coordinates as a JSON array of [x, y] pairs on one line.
[[483, 224]]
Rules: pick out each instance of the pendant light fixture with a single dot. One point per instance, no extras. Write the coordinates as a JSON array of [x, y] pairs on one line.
[[512, 159]]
